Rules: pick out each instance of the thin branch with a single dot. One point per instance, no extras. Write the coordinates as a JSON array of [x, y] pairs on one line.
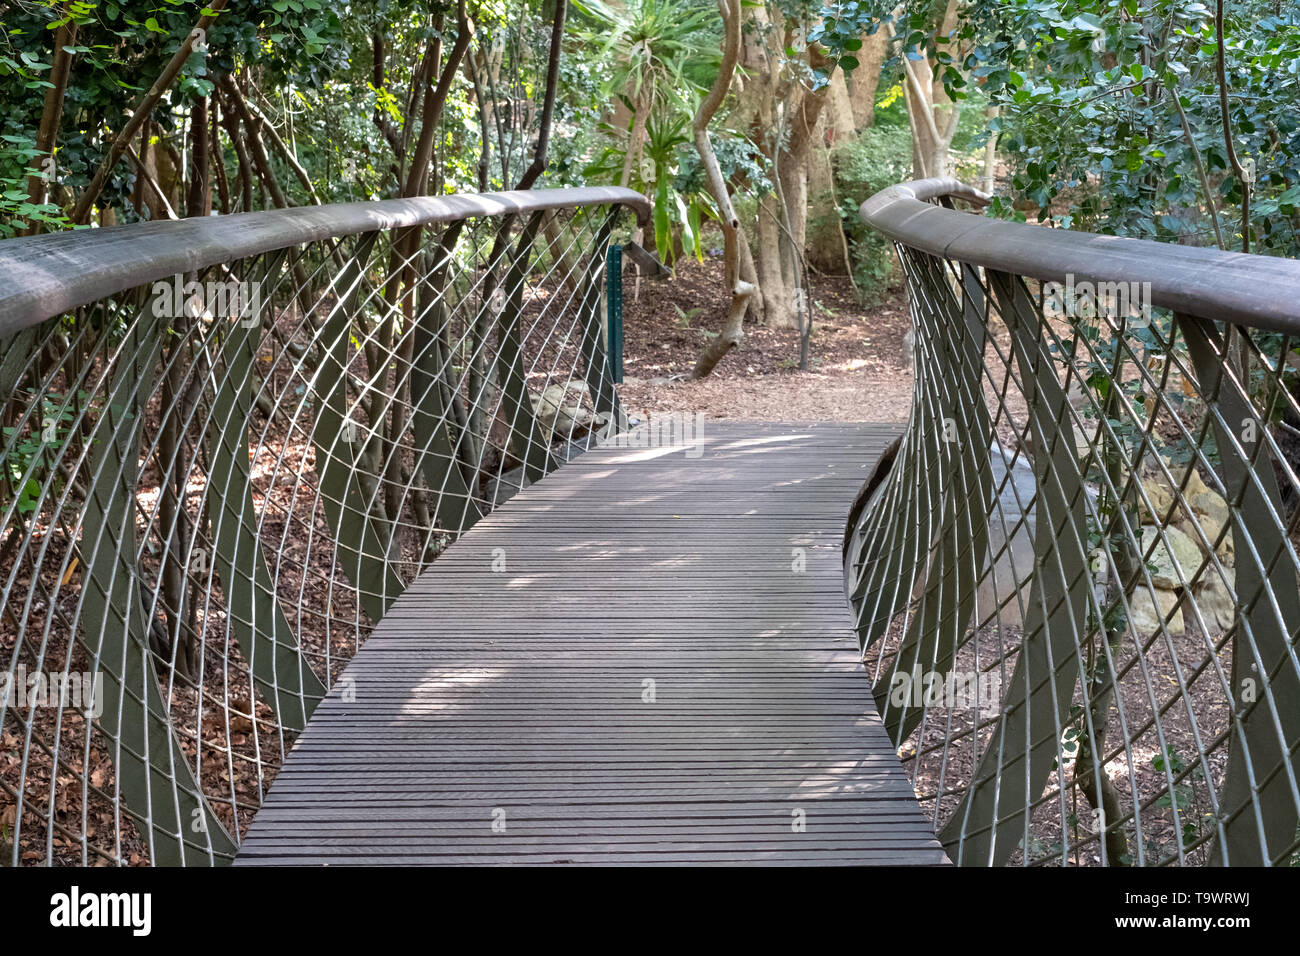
[[1200, 169], [141, 112], [741, 291], [143, 172], [548, 107], [1237, 168], [418, 175]]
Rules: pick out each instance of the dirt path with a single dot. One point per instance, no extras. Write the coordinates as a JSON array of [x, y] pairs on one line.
[[858, 370]]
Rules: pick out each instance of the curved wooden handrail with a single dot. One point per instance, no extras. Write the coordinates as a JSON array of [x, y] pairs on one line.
[[45, 276], [1251, 290]]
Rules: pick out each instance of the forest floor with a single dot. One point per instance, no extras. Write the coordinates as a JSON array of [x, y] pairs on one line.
[[858, 368]]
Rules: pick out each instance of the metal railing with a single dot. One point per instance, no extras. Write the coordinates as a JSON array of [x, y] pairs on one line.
[[1075, 576], [228, 445]]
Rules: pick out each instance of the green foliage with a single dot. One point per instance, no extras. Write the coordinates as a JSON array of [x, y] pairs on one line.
[[654, 48], [1090, 114], [1089, 95], [876, 158], [25, 456], [658, 57], [121, 47], [17, 156]]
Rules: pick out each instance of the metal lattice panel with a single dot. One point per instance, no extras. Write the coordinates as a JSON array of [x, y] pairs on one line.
[[1077, 588], [218, 481]]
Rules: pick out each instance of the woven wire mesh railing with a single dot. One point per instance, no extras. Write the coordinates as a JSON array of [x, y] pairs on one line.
[[228, 445], [1076, 577]]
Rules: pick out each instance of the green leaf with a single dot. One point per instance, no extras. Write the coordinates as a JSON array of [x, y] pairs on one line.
[[663, 231]]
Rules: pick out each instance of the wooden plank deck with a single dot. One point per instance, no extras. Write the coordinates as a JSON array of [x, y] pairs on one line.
[[516, 698]]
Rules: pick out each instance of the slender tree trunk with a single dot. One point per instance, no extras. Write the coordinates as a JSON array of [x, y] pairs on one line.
[[932, 115], [236, 103], [159, 206], [199, 200], [783, 117], [733, 238], [538, 164], [990, 155], [285, 150], [218, 158], [632, 156], [246, 172], [417, 176], [47, 135]]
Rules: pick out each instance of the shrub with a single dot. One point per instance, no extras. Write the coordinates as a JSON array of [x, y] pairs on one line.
[[877, 157]]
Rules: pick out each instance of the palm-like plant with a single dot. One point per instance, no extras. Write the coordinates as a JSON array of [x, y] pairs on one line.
[[659, 54], [656, 48]]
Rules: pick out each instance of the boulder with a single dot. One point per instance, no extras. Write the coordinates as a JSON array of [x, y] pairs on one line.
[[1146, 616], [572, 418], [1177, 552], [1161, 497], [1216, 599], [1210, 511], [556, 412]]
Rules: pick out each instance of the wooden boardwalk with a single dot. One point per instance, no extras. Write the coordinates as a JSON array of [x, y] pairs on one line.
[[648, 680]]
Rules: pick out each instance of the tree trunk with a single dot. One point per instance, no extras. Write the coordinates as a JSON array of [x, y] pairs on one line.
[[632, 157], [199, 200], [827, 246], [783, 116], [932, 115], [47, 135], [987, 179], [865, 80], [218, 159], [733, 330], [253, 138]]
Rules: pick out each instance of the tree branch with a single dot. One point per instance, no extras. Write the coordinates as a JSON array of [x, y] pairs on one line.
[[1237, 168], [733, 330], [142, 111], [548, 107], [417, 177]]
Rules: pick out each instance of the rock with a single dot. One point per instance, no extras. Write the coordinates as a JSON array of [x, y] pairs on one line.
[[1180, 553], [1211, 513], [1216, 599], [1161, 498], [555, 411], [1196, 505], [572, 418], [1195, 486], [1146, 616], [1016, 562], [1163, 493]]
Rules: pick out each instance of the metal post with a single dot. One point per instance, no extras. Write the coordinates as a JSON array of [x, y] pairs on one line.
[[614, 302]]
